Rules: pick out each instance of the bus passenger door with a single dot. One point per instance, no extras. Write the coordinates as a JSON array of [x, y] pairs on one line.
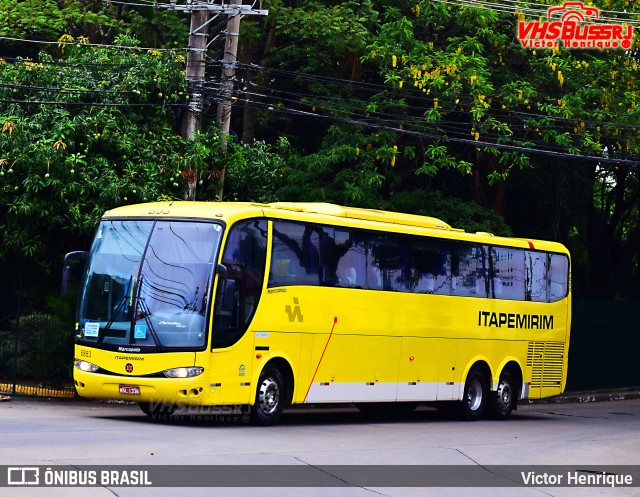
[[230, 373]]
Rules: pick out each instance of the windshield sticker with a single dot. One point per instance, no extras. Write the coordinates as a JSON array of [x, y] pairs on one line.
[[91, 329], [140, 331]]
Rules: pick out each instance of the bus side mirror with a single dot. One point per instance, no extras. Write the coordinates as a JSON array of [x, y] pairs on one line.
[[66, 270], [221, 269]]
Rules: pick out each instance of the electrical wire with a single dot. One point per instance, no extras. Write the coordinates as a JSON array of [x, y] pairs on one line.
[[635, 162], [332, 106], [90, 104], [60, 43], [536, 9]]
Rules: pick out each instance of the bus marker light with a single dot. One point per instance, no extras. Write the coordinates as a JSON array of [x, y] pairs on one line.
[[411, 358], [258, 356]]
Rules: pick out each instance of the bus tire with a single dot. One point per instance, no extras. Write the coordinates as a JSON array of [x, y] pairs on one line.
[[270, 398], [503, 400], [474, 399], [157, 410]]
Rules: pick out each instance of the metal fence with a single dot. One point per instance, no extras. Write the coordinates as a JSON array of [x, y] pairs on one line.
[[36, 341], [605, 339]]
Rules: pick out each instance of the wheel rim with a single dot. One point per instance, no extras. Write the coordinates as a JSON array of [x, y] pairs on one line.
[[269, 396], [504, 394], [474, 395]]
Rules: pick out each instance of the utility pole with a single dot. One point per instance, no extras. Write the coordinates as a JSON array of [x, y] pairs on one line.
[[196, 64], [196, 69], [229, 61], [195, 72]]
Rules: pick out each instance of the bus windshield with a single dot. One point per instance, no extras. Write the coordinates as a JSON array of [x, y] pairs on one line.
[[147, 284]]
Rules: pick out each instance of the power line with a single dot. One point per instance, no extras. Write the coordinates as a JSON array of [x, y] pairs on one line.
[[90, 104], [479, 143], [441, 129], [65, 43], [534, 9], [453, 129]]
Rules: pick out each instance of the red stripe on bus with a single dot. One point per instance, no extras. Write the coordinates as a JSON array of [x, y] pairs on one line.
[[335, 320]]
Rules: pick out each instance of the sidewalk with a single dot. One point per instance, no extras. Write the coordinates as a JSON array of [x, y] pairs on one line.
[[592, 396]]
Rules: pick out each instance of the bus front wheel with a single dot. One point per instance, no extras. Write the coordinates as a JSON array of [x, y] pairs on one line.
[[270, 398], [157, 410], [474, 400]]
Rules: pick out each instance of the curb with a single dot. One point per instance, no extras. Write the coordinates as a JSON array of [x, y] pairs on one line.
[[592, 396]]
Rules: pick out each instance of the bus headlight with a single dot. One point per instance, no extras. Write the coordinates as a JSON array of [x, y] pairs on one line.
[[183, 372], [85, 366]]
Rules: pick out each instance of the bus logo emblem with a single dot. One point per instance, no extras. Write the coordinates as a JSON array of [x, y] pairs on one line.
[[129, 367], [295, 313]]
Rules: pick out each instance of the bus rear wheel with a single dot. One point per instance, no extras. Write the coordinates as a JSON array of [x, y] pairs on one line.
[[270, 398], [474, 399], [504, 398]]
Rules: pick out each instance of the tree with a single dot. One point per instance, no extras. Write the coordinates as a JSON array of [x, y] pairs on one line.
[[488, 100], [100, 22], [328, 97], [82, 132]]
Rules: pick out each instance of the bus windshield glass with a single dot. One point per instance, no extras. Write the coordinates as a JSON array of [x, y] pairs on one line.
[[147, 284]]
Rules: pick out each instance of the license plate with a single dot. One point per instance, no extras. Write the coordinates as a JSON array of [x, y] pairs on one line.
[[129, 390]]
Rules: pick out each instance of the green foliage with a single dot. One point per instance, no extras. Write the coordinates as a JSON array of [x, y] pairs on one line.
[[100, 22], [85, 132], [405, 105], [255, 173], [454, 211]]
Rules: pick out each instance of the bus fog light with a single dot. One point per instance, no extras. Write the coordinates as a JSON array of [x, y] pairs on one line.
[[85, 366], [183, 372]]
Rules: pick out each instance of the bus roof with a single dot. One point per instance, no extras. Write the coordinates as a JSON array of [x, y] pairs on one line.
[[321, 212], [224, 209]]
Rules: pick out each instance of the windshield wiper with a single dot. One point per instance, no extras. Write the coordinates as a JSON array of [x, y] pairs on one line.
[[123, 301], [146, 313]]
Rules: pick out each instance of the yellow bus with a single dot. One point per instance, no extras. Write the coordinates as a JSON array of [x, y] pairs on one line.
[[270, 305]]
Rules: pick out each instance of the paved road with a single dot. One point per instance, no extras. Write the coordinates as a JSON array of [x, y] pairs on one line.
[[39, 432]]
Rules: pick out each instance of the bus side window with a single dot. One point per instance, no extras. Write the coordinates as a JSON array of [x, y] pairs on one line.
[[558, 277], [429, 267], [352, 266], [299, 245], [339, 258], [507, 273], [389, 254], [469, 270], [535, 264]]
